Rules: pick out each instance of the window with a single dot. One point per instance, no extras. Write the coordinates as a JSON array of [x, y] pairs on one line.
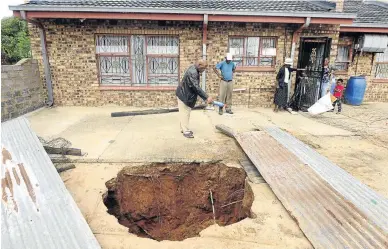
[[381, 71], [253, 51], [138, 60], [343, 57], [113, 59]]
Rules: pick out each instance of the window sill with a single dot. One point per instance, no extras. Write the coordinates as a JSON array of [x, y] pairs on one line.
[[255, 69], [137, 88], [380, 81]]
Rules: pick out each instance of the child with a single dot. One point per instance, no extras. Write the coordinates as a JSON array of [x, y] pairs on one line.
[[338, 91]]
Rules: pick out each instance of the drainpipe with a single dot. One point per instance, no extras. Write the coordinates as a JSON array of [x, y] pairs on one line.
[[204, 39], [46, 65], [295, 36]]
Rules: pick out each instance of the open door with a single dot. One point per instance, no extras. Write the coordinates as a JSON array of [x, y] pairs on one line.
[[313, 52]]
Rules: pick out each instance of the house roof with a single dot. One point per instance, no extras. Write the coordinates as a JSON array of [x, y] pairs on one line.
[[37, 211], [369, 13], [299, 8], [251, 5]]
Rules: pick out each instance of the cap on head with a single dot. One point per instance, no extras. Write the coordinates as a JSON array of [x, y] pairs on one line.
[[288, 61], [229, 57]]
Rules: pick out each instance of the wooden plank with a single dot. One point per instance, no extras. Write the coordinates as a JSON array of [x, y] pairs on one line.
[[226, 130], [62, 151], [152, 111], [63, 167]]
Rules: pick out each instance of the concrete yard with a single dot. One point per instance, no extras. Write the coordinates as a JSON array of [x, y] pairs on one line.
[[355, 140]]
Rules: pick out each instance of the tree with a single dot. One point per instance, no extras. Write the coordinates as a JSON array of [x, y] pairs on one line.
[[15, 42]]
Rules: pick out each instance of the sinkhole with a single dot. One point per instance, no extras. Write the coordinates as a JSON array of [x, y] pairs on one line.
[[171, 201]]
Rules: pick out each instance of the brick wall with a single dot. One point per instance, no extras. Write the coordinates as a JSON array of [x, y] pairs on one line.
[[260, 86], [71, 48], [21, 89], [365, 64]]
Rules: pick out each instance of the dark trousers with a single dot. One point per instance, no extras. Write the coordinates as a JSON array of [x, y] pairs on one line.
[[337, 102]]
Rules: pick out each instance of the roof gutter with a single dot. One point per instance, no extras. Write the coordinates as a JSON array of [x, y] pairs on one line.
[[230, 17], [365, 28], [352, 29], [46, 64], [107, 9], [366, 25]]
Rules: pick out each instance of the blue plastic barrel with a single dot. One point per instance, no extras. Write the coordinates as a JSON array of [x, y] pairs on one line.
[[355, 90]]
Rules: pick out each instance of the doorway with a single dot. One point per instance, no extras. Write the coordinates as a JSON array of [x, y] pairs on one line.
[[313, 52]]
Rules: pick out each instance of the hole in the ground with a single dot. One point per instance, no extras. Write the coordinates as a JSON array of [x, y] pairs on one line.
[[173, 201]]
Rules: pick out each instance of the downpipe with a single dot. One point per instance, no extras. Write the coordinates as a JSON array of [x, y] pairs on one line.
[[204, 51], [295, 36], [46, 63]]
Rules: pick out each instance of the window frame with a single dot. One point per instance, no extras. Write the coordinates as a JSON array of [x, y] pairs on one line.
[[150, 56], [115, 54], [256, 68], [134, 85], [345, 44], [377, 63]]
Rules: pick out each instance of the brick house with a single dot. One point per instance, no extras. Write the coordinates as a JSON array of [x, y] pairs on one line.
[[371, 23], [133, 53]]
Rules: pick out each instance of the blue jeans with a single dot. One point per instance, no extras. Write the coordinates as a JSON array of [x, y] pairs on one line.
[[324, 88]]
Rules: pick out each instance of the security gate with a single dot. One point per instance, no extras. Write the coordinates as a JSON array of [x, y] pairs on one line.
[[313, 52]]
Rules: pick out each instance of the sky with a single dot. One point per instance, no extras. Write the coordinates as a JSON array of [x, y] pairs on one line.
[[4, 10]]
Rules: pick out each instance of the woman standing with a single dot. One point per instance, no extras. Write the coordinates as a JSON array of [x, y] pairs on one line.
[[283, 78], [327, 73]]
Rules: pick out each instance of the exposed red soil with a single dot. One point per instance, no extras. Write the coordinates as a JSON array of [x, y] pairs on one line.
[[172, 201]]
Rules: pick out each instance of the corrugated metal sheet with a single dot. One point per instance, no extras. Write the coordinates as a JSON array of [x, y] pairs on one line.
[[326, 218], [37, 211], [372, 204]]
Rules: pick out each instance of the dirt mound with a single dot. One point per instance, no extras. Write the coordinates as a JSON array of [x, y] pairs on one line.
[[173, 201]]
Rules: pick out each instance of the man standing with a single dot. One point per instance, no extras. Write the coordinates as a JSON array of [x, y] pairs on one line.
[[227, 68], [283, 78], [187, 92]]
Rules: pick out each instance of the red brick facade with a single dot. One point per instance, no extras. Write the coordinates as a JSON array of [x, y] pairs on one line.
[[365, 64], [72, 53]]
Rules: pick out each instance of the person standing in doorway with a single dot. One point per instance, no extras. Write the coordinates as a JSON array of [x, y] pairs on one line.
[[187, 92], [327, 74], [338, 91], [226, 70], [283, 78]]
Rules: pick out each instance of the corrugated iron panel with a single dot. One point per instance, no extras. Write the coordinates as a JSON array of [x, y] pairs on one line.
[[372, 204], [37, 211], [325, 217]]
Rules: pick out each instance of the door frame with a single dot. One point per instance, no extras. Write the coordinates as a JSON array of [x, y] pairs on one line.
[[327, 49]]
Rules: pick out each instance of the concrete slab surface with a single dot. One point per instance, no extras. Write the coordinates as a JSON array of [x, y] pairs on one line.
[[157, 137], [341, 138]]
